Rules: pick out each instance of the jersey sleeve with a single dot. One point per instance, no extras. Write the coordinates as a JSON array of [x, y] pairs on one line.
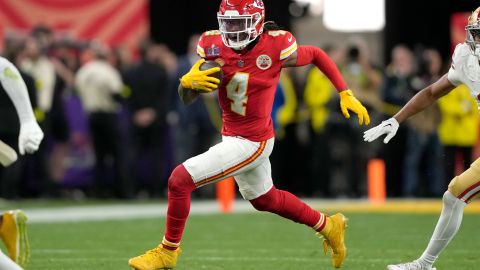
[[289, 46], [454, 73], [287, 43], [201, 46], [453, 76]]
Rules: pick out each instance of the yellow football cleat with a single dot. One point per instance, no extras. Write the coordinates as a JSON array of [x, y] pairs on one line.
[[335, 239], [156, 259], [13, 232]]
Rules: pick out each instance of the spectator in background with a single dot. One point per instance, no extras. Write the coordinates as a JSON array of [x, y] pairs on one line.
[[58, 53], [458, 130], [99, 85], [360, 74], [319, 97], [168, 59], [291, 138], [199, 122], [285, 104], [148, 82], [395, 92], [65, 62], [422, 136], [37, 64], [121, 58]]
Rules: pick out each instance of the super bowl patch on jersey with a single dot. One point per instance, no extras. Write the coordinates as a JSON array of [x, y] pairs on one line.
[[264, 61], [213, 51]]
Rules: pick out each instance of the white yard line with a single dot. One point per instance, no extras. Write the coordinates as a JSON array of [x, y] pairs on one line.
[[135, 210], [122, 211]]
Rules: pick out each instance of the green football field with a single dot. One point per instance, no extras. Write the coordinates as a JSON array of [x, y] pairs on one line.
[[248, 241]]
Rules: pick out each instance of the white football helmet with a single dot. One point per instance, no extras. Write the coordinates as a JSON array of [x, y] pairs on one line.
[[473, 30]]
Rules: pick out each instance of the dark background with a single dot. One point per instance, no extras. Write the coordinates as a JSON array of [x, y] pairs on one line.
[[414, 22], [409, 22], [173, 21]]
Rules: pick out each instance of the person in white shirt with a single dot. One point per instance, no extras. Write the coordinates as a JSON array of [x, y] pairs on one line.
[[465, 187], [99, 86], [41, 68], [12, 223]]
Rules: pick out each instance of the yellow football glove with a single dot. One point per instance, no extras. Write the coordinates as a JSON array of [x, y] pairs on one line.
[[197, 79], [349, 102]]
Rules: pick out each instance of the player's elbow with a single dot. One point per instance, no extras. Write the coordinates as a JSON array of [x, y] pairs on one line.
[[440, 88]]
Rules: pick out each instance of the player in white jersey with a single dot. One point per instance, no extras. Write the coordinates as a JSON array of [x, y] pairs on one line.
[[465, 187], [12, 223]]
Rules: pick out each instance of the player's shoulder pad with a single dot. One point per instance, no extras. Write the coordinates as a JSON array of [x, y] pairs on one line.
[[462, 51], [287, 43], [211, 33], [207, 39]]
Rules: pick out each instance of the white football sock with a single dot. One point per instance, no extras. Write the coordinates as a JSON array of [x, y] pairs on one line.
[[447, 226], [7, 264]]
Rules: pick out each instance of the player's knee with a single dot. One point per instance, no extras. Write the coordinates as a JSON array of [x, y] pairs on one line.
[[465, 186], [266, 202], [453, 186], [447, 196], [180, 180], [476, 165]]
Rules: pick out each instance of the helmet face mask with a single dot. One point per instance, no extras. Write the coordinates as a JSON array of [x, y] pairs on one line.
[[473, 33], [240, 22], [237, 30]]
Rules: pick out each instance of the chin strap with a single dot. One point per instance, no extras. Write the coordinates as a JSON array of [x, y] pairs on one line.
[[239, 48]]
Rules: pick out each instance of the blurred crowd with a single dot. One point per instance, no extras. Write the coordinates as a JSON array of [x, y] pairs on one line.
[[115, 128]]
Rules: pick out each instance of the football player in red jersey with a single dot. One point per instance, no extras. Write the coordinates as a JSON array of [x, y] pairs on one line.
[[251, 57]]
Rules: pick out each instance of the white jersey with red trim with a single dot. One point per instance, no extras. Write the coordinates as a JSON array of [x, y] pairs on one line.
[[250, 80], [465, 69]]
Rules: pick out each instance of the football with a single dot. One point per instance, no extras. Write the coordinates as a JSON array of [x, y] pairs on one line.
[[211, 64]]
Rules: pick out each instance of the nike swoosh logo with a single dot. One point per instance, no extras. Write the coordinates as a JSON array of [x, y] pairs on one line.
[[290, 38]]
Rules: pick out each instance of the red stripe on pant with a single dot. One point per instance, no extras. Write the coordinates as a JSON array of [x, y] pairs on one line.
[[237, 167]]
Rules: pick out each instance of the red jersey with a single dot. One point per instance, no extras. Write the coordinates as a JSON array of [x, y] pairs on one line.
[[249, 82]]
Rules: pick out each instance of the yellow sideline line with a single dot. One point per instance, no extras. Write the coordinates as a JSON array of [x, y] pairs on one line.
[[391, 206]]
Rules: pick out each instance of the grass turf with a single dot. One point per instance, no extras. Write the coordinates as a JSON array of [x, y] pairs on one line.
[[248, 241]]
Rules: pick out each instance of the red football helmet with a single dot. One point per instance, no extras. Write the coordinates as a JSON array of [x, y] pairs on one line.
[[240, 22], [473, 30]]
